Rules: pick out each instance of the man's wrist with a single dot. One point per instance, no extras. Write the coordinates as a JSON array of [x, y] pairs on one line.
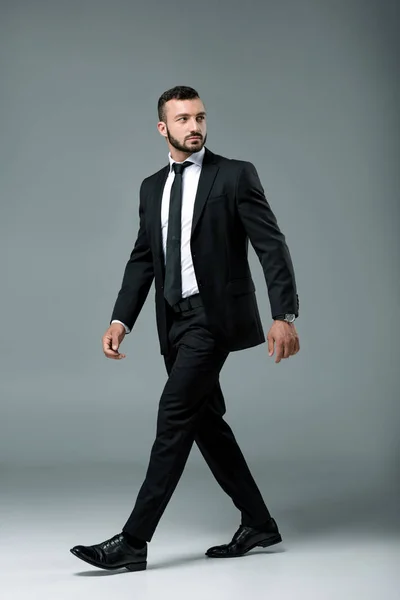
[[127, 330]]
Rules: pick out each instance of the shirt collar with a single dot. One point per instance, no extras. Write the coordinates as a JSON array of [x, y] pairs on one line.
[[196, 158]]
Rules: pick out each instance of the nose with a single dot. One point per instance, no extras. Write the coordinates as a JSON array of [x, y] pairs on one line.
[[195, 129]]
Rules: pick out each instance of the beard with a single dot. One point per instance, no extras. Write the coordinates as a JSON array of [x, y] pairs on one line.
[[188, 145]]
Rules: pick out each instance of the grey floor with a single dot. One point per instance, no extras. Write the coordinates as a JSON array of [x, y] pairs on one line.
[[341, 535]]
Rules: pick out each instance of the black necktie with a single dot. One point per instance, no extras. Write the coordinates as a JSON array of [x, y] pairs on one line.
[[173, 273]]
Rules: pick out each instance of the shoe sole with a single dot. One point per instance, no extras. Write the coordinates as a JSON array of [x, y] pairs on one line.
[[271, 541], [130, 566]]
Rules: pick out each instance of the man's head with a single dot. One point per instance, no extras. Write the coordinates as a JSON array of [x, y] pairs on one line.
[[182, 121]]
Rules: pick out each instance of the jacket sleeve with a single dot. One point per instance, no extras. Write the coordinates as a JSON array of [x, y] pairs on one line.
[[268, 241], [138, 276]]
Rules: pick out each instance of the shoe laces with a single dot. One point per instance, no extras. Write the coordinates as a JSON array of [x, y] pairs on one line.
[[116, 539]]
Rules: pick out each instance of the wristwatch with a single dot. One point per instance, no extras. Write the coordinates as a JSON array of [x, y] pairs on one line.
[[288, 317]]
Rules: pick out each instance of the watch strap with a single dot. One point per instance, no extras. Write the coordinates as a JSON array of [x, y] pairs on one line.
[[283, 317]]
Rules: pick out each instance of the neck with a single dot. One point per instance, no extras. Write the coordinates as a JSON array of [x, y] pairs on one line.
[[179, 156]]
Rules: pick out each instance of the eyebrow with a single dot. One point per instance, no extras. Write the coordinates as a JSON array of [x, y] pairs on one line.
[[188, 115]]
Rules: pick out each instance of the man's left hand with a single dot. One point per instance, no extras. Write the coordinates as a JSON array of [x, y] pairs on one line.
[[286, 338]]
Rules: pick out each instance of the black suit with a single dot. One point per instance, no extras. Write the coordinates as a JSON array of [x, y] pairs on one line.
[[230, 208]]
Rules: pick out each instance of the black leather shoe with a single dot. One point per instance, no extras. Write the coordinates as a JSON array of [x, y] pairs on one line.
[[247, 538], [115, 553]]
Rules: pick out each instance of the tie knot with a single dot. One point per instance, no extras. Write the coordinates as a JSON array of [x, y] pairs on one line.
[[179, 167]]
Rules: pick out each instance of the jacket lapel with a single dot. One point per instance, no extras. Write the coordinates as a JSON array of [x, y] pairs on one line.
[[208, 173], [156, 219]]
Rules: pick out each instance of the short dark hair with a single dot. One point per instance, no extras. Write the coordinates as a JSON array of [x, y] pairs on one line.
[[179, 92]]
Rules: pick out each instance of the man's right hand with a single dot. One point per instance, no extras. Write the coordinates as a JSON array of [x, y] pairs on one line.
[[112, 340]]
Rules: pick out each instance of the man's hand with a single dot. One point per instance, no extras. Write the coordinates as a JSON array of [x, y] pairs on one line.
[[112, 340], [286, 338]]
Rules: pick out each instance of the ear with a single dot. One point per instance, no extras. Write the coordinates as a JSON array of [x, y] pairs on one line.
[[161, 128]]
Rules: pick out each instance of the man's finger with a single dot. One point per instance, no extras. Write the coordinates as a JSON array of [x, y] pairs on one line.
[[279, 351], [113, 354], [270, 345], [106, 343], [108, 350], [287, 350]]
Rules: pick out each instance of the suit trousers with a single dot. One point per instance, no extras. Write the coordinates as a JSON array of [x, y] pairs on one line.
[[191, 410]]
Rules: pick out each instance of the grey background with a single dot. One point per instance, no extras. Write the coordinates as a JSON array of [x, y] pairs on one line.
[[309, 92]]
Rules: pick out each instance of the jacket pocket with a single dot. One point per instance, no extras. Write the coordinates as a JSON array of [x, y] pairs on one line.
[[244, 285], [217, 199]]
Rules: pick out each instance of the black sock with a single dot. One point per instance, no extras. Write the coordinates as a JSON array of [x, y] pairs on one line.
[[134, 541]]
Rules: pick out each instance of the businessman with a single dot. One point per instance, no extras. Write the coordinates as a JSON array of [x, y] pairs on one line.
[[197, 215]]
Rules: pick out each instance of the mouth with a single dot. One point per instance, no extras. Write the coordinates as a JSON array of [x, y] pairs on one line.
[[195, 138]]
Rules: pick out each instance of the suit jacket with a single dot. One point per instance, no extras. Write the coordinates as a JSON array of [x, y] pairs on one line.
[[230, 208]]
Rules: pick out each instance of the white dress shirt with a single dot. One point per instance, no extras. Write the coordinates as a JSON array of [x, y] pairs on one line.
[[190, 181]]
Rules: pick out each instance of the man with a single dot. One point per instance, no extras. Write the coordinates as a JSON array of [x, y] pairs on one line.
[[197, 215]]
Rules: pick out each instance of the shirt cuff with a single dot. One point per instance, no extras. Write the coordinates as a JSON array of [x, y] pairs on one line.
[[127, 330]]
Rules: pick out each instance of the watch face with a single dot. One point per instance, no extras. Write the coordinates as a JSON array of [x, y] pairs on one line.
[[290, 318]]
